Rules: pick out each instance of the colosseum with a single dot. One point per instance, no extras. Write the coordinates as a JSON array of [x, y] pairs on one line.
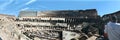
[[51, 25]]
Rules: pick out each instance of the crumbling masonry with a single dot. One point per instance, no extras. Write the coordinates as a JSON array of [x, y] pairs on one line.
[[50, 25]]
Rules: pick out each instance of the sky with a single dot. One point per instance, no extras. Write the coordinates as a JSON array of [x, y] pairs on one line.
[[13, 7]]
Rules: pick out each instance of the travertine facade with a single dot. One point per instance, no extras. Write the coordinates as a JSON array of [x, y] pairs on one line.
[[53, 25]]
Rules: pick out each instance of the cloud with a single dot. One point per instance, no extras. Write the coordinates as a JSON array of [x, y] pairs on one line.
[[2, 7], [24, 9], [31, 1]]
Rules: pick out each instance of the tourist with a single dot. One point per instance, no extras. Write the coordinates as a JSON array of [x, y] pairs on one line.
[[112, 29]]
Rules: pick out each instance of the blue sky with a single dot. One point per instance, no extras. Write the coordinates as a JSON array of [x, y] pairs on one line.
[[13, 7]]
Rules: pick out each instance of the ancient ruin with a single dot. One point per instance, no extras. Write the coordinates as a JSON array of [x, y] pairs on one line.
[[51, 25]]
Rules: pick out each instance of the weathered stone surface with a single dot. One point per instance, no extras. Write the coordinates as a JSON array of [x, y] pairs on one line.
[[50, 25]]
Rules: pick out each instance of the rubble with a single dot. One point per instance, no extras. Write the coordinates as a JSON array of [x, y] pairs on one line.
[[50, 25]]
